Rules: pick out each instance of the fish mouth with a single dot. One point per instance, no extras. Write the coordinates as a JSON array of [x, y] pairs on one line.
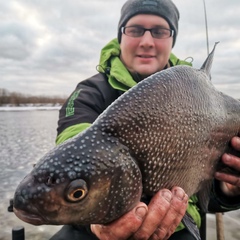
[[29, 218]]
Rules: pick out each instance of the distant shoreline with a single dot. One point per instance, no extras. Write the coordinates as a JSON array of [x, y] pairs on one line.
[[29, 108]]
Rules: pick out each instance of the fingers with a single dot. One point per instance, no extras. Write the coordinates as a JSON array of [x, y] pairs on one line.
[[231, 183], [227, 178], [165, 212], [122, 228], [157, 221], [174, 215], [158, 207], [231, 161], [236, 143]]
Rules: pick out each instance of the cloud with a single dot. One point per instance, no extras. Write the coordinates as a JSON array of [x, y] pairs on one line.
[[47, 47], [16, 40]]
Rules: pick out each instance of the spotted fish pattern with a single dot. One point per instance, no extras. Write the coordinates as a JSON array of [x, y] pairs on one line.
[[169, 130]]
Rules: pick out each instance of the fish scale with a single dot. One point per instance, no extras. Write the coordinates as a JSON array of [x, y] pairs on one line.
[[169, 130]]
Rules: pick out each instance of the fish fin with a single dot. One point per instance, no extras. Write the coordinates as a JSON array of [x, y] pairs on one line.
[[204, 195], [191, 226], [207, 65]]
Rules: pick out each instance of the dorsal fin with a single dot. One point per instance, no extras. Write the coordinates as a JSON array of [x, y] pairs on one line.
[[207, 65]]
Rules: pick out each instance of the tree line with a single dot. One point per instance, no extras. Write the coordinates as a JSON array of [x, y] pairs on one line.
[[17, 99]]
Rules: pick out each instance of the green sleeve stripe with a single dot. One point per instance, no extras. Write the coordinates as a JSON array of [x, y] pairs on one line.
[[71, 132], [70, 105]]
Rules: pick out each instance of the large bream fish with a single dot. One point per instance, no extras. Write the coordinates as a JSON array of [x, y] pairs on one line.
[[169, 130]]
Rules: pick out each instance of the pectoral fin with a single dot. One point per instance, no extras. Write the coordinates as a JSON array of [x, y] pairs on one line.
[[191, 226]]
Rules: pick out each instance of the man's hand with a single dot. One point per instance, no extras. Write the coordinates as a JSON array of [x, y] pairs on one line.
[[231, 184], [158, 220]]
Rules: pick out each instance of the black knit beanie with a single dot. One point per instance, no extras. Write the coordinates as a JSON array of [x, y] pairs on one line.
[[163, 8]]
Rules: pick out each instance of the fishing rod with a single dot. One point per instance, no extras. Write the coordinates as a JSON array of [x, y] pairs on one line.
[[206, 26], [219, 216]]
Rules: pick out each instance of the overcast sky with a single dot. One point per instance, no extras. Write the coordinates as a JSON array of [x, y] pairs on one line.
[[48, 46]]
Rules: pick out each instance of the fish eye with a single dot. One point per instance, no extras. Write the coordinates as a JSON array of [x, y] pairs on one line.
[[77, 194], [77, 190]]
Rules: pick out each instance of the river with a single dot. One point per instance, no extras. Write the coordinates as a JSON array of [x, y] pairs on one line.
[[25, 136]]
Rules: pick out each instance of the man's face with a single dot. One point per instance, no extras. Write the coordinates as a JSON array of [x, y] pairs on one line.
[[145, 55]]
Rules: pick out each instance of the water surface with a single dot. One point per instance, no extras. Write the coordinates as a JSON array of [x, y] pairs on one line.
[[25, 136]]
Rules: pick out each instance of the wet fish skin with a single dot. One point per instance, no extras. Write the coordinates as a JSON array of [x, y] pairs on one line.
[[169, 130]]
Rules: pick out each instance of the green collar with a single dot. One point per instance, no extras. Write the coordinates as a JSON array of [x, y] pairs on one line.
[[118, 76]]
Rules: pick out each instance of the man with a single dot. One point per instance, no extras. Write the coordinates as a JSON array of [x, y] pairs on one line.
[[147, 32]]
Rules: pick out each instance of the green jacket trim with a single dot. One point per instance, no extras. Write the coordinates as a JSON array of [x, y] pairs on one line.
[[71, 132], [119, 77]]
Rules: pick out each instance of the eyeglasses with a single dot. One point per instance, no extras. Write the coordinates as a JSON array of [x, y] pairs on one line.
[[157, 32]]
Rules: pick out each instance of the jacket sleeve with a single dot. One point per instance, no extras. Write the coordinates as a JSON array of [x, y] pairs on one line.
[[90, 98], [219, 202]]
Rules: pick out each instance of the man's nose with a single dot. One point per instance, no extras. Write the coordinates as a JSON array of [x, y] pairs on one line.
[[147, 39]]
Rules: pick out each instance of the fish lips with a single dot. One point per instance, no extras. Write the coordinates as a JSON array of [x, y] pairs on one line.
[[29, 218]]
